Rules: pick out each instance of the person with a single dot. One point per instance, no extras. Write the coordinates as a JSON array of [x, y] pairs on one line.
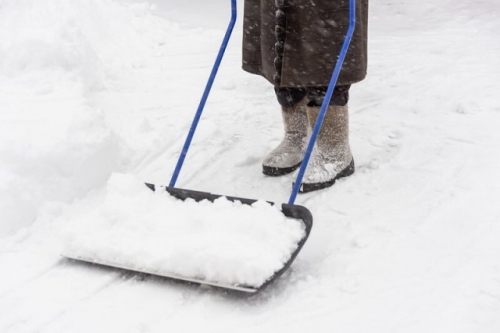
[[294, 44]]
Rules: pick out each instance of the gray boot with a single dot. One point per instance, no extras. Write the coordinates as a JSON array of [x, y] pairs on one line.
[[288, 155], [331, 158]]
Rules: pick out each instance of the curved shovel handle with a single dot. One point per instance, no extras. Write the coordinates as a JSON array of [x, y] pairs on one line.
[[204, 97]]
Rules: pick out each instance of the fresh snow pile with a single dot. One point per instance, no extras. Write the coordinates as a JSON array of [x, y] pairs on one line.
[[223, 242], [55, 141]]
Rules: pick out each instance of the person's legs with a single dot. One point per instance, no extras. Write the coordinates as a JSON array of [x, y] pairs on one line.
[[316, 95], [331, 158], [288, 155], [289, 97]]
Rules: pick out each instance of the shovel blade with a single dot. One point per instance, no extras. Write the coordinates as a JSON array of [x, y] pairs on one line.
[[297, 212]]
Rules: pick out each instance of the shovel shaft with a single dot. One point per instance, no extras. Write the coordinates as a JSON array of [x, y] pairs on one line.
[[326, 101], [204, 97]]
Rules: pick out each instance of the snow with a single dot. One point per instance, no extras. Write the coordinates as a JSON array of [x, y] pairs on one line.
[[223, 242], [409, 243]]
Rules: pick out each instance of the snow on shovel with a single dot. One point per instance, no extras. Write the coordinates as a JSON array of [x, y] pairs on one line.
[[225, 242]]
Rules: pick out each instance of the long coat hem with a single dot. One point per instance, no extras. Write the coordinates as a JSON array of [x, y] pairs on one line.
[[295, 43], [302, 83]]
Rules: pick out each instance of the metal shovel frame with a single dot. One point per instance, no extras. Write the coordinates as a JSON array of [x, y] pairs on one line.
[[290, 209]]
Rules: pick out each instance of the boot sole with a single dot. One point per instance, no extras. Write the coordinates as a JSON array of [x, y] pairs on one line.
[[309, 187], [275, 172]]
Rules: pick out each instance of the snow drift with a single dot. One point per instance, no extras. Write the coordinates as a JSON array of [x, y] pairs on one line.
[[55, 143]]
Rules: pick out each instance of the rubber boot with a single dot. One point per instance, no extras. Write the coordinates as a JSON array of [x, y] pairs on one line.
[[288, 155], [331, 158]]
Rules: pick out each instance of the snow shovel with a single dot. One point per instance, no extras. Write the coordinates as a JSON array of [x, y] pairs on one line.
[[289, 210]]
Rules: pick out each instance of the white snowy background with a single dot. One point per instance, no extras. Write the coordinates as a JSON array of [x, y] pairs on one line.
[[410, 243]]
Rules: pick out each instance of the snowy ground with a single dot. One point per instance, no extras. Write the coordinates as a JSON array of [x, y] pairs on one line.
[[407, 244]]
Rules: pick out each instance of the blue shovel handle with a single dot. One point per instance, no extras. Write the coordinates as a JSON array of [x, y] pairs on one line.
[[204, 97], [326, 101]]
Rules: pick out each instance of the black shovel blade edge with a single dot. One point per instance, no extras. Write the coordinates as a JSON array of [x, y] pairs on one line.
[[292, 211]]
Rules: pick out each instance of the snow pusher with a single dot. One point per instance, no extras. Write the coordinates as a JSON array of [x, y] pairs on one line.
[[117, 253]]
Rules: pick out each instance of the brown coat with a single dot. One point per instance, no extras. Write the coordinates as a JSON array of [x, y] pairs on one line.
[[294, 43]]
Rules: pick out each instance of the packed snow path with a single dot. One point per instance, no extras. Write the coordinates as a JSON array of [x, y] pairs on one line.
[[407, 244]]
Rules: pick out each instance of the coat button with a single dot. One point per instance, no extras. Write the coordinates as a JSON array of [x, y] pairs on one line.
[[279, 48], [277, 79], [278, 63], [280, 18], [279, 32]]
